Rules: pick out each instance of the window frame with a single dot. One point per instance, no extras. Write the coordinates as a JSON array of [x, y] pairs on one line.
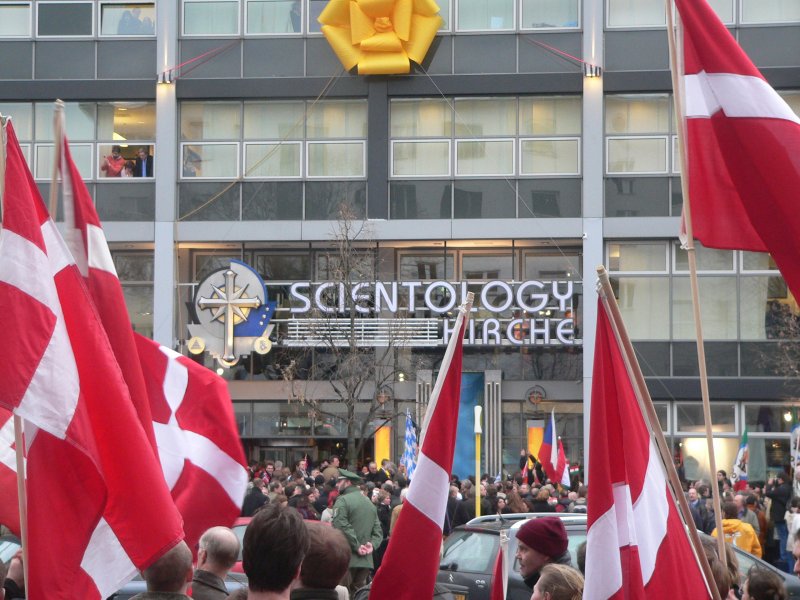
[[237, 33], [66, 37], [664, 244], [246, 11], [326, 141], [737, 420], [73, 145], [472, 140], [32, 23], [554, 173], [237, 170], [456, 13], [248, 143], [579, 26], [664, 138], [107, 36], [450, 161]]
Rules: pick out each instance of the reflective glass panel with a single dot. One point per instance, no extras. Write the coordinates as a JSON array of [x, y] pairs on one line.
[[15, 20], [210, 18], [128, 19]]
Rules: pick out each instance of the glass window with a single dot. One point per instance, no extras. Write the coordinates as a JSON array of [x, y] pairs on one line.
[[215, 17], [470, 551], [274, 16], [724, 9], [637, 155], [420, 199], [487, 267], [336, 159], [545, 13], [772, 418], [337, 120], [758, 261], [690, 418], [272, 418], [273, 120], [708, 259], [486, 118], [64, 18], [134, 268], [549, 157], [315, 8], [768, 311], [640, 298], [694, 451], [15, 20], [717, 308], [543, 197], [484, 14], [272, 160], [546, 268], [550, 116], [662, 412], [21, 114], [116, 161], [484, 157], [210, 121], [637, 114], [81, 155], [139, 301], [283, 267], [123, 121], [128, 19], [244, 417], [426, 267], [210, 160], [770, 11], [637, 256], [79, 116], [636, 13], [133, 201], [415, 159], [484, 199], [421, 118]]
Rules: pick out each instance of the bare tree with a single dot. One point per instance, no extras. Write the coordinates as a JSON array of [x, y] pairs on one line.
[[355, 349]]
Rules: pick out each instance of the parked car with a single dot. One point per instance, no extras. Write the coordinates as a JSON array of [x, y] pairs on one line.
[[471, 550]]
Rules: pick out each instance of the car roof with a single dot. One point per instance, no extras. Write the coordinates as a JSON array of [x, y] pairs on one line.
[[513, 521]]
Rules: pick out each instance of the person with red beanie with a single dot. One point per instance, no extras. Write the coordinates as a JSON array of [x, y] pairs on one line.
[[539, 542]]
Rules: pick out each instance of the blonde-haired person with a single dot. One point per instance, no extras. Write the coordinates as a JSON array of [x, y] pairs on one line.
[[558, 582]]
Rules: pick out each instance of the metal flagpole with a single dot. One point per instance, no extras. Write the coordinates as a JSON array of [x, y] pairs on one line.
[[677, 95], [651, 418], [19, 445], [478, 431]]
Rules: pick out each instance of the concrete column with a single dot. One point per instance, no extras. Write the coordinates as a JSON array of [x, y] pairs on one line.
[[165, 171], [593, 185]]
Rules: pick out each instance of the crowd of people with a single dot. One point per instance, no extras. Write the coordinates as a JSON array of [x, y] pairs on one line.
[[334, 526]]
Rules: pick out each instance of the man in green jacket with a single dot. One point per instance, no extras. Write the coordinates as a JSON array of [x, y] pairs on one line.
[[356, 517]]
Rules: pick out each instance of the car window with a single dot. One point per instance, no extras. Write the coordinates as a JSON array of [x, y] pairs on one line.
[[470, 551], [8, 548], [575, 538], [239, 531]]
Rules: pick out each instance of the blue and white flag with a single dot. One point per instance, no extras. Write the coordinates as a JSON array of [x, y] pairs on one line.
[[409, 458]]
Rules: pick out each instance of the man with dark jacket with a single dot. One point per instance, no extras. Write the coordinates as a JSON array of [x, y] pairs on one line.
[[356, 517], [217, 552], [255, 498], [779, 491], [539, 542]]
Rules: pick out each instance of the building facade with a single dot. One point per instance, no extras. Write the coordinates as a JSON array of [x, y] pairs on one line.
[[495, 163]]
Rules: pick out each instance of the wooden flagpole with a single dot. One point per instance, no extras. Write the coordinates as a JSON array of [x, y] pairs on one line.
[[677, 95], [649, 413], [19, 445], [58, 150]]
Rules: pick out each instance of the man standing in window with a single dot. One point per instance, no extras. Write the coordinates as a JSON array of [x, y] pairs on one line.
[[144, 163]]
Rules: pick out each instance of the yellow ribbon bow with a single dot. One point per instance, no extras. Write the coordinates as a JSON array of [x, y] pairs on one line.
[[380, 36]]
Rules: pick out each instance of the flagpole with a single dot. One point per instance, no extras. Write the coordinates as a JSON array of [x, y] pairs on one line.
[[677, 97], [19, 446], [646, 405], [478, 431], [58, 150]]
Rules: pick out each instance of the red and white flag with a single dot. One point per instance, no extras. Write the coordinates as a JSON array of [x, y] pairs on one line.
[[411, 562], [500, 572], [9, 505], [552, 456], [186, 407], [637, 546], [109, 503], [743, 147]]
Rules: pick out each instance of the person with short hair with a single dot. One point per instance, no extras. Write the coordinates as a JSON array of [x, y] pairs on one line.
[[272, 567], [325, 564], [737, 532], [169, 576], [113, 164], [218, 551], [539, 542], [558, 582], [762, 584], [144, 163]]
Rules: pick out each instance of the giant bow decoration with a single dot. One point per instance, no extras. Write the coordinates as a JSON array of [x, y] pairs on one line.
[[380, 36]]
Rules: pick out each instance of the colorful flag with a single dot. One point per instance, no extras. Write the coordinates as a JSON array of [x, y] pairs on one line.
[[409, 458], [552, 454], [637, 546], [63, 379], [417, 537], [9, 505], [186, 408], [739, 474], [743, 147]]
